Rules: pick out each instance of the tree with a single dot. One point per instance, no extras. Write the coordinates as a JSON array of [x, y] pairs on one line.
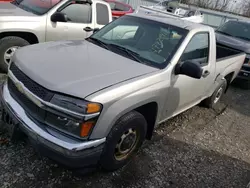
[[246, 8], [220, 5]]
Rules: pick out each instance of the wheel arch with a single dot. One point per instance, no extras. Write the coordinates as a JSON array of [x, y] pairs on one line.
[[229, 79], [28, 36]]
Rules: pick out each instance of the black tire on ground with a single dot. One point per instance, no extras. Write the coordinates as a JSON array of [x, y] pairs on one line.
[[6, 43], [211, 102], [130, 121]]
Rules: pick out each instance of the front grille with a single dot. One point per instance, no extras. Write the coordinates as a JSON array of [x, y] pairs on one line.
[[30, 108], [32, 86]]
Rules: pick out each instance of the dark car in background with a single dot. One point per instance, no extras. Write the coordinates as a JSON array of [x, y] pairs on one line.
[[236, 35], [119, 8]]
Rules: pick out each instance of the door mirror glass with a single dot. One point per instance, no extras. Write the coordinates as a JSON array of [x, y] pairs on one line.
[[190, 69], [59, 17]]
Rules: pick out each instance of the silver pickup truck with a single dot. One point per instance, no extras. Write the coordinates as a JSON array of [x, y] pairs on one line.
[[24, 22], [95, 101]]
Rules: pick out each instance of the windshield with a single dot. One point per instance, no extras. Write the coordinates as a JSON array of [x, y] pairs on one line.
[[146, 41], [38, 7], [236, 29]]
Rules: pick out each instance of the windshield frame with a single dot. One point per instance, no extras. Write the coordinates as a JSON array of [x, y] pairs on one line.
[[225, 31], [163, 25], [29, 9]]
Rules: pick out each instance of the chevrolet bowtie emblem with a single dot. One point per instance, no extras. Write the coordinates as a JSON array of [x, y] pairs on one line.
[[29, 95], [19, 87]]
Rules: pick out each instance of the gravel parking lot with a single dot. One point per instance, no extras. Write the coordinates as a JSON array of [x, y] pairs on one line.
[[200, 148]]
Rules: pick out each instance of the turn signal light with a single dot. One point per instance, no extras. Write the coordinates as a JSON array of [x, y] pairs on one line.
[[86, 128], [93, 108]]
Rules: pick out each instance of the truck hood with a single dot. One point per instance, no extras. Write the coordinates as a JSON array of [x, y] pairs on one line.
[[10, 12], [233, 42], [77, 68]]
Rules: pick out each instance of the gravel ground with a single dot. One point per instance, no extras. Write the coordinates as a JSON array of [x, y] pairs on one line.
[[200, 148]]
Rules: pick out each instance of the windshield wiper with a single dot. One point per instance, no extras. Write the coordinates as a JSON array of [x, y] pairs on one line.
[[130, 53], [103, 44]]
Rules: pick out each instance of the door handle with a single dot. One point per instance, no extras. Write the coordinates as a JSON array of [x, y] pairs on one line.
[[205, 74], [88, 29]]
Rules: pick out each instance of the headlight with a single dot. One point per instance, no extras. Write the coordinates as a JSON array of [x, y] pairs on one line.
[[65, 121], [76, 105]]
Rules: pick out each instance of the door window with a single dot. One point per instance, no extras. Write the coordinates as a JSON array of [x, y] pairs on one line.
[[197, 50], [78, 13], [102, 14]]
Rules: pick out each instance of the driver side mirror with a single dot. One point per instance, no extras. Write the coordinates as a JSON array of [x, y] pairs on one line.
[[58, 17], [190, 69]]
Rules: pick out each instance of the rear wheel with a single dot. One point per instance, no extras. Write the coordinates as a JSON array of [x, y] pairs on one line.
[[123, 141], [212, 101], [8, 46]]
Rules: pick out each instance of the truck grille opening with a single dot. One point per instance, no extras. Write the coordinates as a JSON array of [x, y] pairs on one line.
[[30, 108], [32, 86], [43, 117]]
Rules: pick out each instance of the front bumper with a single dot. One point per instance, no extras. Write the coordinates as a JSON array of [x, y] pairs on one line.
[[72, 153]]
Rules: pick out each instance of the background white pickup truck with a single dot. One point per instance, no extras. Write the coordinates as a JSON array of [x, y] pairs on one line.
[[24, 22]]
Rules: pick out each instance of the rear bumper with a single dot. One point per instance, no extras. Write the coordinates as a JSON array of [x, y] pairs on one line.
[[71, 153]]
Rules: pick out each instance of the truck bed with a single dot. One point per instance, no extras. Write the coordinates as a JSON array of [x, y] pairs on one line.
[[224, 52], [228, 59]]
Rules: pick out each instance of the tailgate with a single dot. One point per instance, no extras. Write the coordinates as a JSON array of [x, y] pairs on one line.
[[230, 64]]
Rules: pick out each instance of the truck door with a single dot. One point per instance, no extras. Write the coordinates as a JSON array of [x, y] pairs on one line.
[[188, 90], [79, 20]]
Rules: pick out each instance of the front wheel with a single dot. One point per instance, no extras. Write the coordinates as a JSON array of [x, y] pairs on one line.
[[212, 101], [123, 141], [8, 46]]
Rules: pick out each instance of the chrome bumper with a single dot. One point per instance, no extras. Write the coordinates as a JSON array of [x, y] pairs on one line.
[[54, 141]]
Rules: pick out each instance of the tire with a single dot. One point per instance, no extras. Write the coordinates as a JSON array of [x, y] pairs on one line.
[[212, 101], [132, 121], [5, 44]]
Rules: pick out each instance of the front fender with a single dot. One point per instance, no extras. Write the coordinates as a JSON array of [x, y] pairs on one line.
[[155, 93], [37, 28]]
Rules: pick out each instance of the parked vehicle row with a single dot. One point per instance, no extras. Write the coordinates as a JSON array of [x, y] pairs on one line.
[[94, 102]]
